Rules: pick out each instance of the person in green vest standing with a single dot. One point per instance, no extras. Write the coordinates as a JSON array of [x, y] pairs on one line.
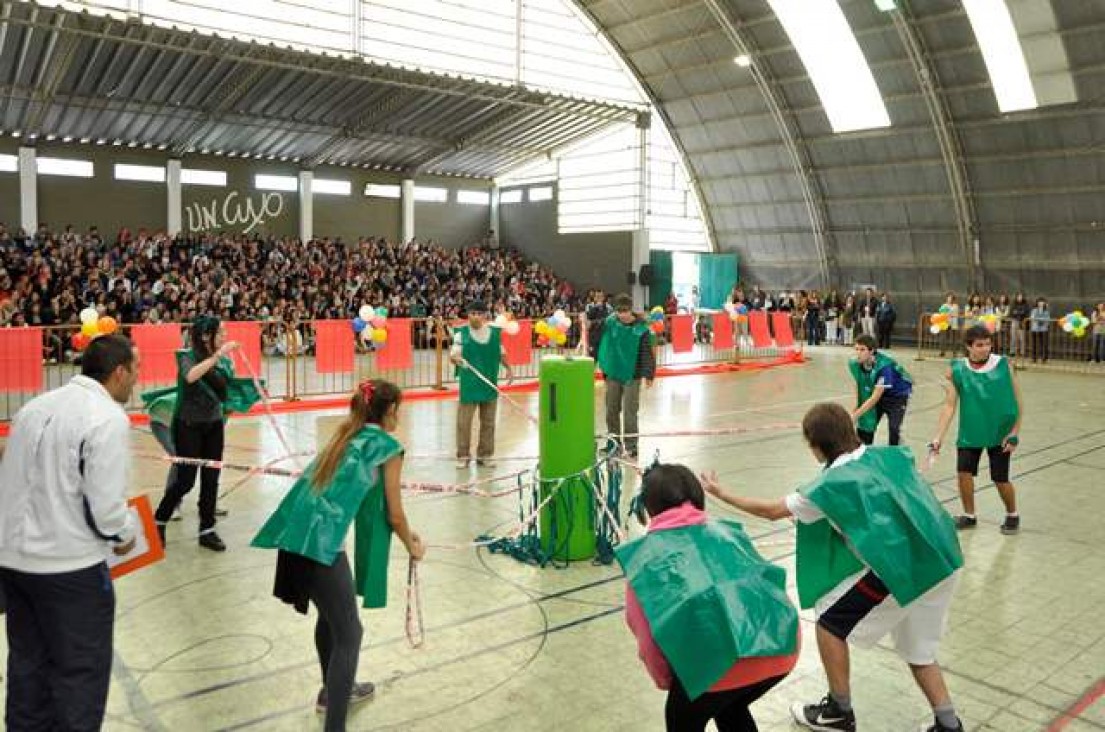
[[354, 480], [877, 554], [477, 351], [725, 633], [990, 413], [626, 358], [882, 387]]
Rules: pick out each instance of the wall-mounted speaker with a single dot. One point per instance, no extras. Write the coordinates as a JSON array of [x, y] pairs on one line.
[[645, 276], [630, 278]]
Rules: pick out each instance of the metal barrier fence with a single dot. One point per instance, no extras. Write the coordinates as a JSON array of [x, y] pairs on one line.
[[1053, 349], [289, 365]]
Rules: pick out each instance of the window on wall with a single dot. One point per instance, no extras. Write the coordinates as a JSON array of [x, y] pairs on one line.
[[383, 190], [540, 193], [474, 198], [329, 187], [286, 183], [148, 173], [9, 163], [514, 195], [429, 194], [65, 167], [196, 177]]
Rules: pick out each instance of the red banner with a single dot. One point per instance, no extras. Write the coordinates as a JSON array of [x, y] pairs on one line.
[[723, 330], [519, 347], [398, 353], [757, 325], [682, 333], [21, 359], [248, 333], [157, 345], [333, 347], [784, 336]]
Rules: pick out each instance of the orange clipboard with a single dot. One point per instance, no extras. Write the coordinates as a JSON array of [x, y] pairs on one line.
[[147, 545]]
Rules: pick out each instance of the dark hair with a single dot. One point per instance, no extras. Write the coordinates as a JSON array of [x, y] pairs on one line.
[[623, 301], [977, 333], [667, 485], [371, 400], [476, 306], [867, 342], [105, 354], [829, 428], [202, 327]]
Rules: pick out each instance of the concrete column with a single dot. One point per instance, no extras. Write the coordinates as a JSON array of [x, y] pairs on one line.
[[172, 197], [28, 190], [406, 200], [493, 220], [640, 235], [306, 205]]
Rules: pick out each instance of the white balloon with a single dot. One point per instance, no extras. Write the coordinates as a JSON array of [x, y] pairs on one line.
[[89, 315], [934, 329], [512, 327], [500, 320], [366, 313]]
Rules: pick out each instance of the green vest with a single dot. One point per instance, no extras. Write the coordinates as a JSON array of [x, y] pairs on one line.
[[485, 358], [710, 599], [313, 524], [987, 403], [865, 383], [879, 510], [619, 348]]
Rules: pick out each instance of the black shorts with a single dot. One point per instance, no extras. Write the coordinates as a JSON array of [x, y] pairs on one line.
[[968, 458], [845, 614]]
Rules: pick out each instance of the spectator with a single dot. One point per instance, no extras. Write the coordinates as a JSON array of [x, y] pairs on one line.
[[1040, 320], [885, 315], [1018, 316]]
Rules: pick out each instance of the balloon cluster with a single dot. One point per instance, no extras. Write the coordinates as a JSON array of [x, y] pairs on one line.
[[371, 325], [507, 322], [92, 327], [656, 320], [738, 312], [990, 321], [940, 320], [1074, 323], [553, 331]]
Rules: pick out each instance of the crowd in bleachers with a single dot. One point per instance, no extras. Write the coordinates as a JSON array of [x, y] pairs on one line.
[[47, 278]]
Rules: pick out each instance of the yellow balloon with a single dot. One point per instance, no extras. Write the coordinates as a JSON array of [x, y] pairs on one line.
[[90, 328], [379, 335]]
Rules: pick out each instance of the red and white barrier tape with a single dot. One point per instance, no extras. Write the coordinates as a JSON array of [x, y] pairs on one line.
[[518, 407]]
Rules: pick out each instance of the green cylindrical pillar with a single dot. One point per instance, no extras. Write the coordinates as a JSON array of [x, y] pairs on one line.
[[567, 441]]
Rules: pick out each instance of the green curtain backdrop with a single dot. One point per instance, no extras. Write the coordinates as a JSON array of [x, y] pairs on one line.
[[717, 273], [661, 277]]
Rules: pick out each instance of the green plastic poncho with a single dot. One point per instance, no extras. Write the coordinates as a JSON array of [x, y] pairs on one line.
[[879, 510], [710, 599], [314, 524], [485, 358], [619, 348], [241, 394], [865, 386], [988, 404]]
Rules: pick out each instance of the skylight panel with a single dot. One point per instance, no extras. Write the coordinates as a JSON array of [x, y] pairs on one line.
[[1002, 52], [836, 65]]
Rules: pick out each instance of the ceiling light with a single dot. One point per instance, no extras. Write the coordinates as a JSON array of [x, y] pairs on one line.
[[744, 60]]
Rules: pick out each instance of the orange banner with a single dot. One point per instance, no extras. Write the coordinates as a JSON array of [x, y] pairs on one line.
[[248, 333], [157, 345], [333, 347], [757, 326], [723, 330], [784, 336], [519, 347], [398, 353], [682, 333], [21, 359]]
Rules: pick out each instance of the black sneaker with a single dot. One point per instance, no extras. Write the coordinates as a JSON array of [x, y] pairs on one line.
[[965, 522], [937, 727], [1011, 525], [211, 541], [826, 715], [362, 692]]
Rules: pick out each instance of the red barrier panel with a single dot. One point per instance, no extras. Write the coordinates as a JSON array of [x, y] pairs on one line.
[[723, 330], [784, 336], [21, 359], [248, 333], [398, 353], [519, 348], [757, 326], [157, 345], [682, 333], [333, 347]]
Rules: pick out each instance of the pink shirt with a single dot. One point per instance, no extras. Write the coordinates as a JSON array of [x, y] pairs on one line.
[[744, 672]]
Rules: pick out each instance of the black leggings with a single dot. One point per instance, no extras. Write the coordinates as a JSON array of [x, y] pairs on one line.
[[728, 709], [338, 634], [195, 440]]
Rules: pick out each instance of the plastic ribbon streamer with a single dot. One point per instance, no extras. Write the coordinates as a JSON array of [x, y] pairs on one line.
[[521, 410]]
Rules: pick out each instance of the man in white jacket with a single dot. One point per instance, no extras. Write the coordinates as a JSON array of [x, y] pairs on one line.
[[63, 507]]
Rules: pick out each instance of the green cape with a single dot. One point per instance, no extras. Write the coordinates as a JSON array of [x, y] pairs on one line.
[[879, 507], [710, 599], [314, 524], [987, 404], [485, 358], [865, 383], [619, 348]]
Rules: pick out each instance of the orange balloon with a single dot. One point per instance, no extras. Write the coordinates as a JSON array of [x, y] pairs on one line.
[[107, 325]]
